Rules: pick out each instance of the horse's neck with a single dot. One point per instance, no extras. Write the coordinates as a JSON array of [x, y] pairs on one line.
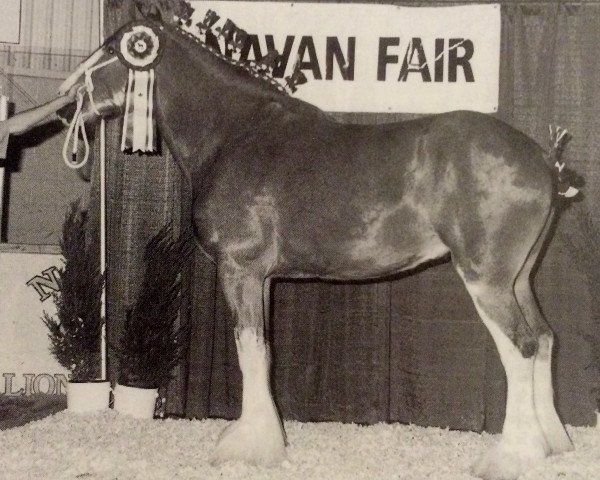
[[201, 104]]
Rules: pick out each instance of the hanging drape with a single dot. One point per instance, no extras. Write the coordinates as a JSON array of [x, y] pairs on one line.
[[411, 349], [144, 193]]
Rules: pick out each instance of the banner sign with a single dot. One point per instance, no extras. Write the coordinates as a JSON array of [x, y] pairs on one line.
[[27, 281], [10, 26], [373, 58]]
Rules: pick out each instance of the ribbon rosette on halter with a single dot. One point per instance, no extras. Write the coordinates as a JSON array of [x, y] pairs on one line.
[[139, 49]]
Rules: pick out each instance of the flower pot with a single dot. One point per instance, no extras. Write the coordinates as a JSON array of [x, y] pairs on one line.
[[85, 397], [135, 402]]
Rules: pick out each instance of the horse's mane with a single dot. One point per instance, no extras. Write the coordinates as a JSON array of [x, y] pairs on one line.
[[253, 69]]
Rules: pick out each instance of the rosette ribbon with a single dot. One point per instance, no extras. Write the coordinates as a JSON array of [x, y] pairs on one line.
[[139, 49]]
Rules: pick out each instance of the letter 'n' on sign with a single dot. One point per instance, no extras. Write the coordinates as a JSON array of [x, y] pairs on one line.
[[46, 283]]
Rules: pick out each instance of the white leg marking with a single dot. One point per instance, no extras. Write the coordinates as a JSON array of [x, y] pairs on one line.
[[543, 396], [522, 444], [257, 436]]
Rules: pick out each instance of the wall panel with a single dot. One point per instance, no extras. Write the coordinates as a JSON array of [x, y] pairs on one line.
[[55, 35]]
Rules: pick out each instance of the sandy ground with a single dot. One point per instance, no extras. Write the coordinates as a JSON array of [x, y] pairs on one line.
[[111, 446]]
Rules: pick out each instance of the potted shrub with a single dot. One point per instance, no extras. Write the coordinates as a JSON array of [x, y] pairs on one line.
[[75, 332], [153, 342]]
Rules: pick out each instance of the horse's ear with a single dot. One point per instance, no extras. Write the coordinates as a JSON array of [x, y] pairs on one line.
[[149, 9], [151, 13], [164, 10]]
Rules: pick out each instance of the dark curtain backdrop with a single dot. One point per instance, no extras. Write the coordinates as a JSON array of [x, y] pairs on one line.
[[411, 349], [143, 194]]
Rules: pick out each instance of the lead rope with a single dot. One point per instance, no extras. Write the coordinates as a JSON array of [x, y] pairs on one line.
[[77, 124], [76, 127]]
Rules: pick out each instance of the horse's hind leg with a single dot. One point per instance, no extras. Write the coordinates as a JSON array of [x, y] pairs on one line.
[[257, 436], [522, 444], [499, 286], [543, 392]]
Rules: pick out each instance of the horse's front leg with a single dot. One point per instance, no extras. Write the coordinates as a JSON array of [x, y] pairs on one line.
[[257, 436]]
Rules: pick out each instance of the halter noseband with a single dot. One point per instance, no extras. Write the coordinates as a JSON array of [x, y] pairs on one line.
[[89, 84]]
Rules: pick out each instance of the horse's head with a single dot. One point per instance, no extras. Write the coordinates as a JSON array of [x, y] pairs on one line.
[[105, 78], [105, 73], [117, 79]]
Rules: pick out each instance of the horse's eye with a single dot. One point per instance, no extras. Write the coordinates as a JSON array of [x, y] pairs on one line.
[[110, 50]]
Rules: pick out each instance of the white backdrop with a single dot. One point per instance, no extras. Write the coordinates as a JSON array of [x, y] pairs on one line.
[[11, 21], [374, 41]]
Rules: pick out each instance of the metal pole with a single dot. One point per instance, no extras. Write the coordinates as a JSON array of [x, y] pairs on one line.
[[3, 116], [103, 241], [103, 219]]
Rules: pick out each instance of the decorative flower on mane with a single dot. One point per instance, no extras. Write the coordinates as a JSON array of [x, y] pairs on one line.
[[140, 47]]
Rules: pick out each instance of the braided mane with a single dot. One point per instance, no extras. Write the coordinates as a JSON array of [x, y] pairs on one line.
[[251, 67], [181, 12], [176, 15]]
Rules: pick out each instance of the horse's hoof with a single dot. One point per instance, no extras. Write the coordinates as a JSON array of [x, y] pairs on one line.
[[243, 441], [508, 462], [563, 445], [557, 439]]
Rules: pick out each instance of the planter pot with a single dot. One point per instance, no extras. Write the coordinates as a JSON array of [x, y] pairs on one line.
[[85, 397], [135, 402]]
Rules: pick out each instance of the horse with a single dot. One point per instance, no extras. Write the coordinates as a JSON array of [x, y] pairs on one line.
[[282, 190]]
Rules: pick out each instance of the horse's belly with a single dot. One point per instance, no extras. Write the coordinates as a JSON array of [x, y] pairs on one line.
[[346, 233], [384, 241], [386, 259]]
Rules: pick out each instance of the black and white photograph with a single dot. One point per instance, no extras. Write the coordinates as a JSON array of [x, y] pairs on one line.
[[274, 240]]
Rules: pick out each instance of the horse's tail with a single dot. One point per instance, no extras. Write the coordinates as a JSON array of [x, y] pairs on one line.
[[564, 177]]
